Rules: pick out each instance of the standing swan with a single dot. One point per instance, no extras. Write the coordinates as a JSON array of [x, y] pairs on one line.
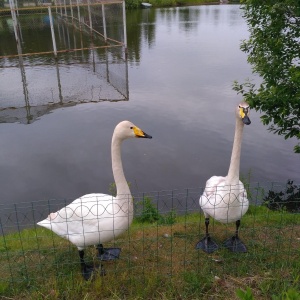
[[94, 219], [225, 198]]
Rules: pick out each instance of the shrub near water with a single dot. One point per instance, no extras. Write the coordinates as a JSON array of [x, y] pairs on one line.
[[130, 4], [289, 199]]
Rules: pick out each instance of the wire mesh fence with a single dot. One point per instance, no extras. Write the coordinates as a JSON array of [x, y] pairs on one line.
[[158, 252]]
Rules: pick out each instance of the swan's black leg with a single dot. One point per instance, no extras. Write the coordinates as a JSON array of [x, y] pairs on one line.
[[207, 244], [105, 254], [86, 270], [234, 243], [100, 254]]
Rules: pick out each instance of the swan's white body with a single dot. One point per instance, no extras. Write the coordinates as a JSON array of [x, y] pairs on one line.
[[225, 198], [98, 218], [225, 203], [92, 219]]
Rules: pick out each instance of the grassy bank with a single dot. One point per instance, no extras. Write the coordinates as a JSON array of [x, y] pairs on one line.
[[159, 261]]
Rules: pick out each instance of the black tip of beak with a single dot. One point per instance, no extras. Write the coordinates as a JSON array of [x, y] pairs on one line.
[[147, 136], [246, 120]]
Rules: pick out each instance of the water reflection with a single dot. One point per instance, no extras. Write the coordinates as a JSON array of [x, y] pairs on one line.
[[35, 84]]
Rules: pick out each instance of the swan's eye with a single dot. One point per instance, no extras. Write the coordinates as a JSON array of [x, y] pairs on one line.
[[131, 127]]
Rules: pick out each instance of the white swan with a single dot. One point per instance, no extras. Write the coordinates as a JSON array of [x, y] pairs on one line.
[[225, 198], [94, 219]]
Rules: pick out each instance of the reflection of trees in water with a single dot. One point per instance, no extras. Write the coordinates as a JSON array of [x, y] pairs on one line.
[[142, 24], [140, 27], [274, 52]]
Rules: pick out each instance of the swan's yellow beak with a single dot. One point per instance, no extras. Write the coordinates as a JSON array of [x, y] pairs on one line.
[[242, 113], [140, 133]]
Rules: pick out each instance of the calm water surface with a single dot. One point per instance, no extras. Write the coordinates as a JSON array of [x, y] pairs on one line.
[[182, 63]]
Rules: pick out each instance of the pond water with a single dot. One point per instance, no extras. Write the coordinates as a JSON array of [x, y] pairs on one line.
[[181, 66]]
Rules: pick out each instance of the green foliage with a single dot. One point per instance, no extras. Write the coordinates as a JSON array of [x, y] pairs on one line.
[[149, 212], [169, 218], [245, 295], [197, 284], [112, 189], [288, 200], [290, 294], [133, 4], [273, 50]]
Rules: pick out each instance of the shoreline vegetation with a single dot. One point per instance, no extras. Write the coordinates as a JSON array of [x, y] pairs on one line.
[[134, 4]]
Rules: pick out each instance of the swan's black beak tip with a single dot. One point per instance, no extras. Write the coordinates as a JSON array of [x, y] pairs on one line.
[[145, 136], [246, 120]]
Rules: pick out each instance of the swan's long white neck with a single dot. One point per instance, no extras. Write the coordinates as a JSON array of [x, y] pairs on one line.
[[234, 168], [117, 167]]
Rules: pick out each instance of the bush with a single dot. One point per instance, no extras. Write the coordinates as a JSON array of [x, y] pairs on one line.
[[149, 212], [284, 200]]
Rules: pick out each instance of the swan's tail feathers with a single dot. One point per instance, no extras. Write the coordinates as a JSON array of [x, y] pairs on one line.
[[47, 222], [105, 254]]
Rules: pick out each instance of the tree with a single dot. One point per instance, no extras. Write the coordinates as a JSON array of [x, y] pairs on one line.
[[273, 50]]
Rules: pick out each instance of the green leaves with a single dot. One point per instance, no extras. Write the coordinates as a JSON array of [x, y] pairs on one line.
[[273, 50], [245, 295]]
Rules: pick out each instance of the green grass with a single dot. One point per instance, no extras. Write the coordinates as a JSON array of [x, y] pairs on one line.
[[159, 261]]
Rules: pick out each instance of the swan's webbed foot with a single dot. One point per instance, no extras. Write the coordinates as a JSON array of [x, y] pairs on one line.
[[235, 244], [207, 244], [87, 271], [105, 254]]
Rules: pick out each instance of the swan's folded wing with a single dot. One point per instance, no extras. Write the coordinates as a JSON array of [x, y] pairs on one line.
[[212, 184]]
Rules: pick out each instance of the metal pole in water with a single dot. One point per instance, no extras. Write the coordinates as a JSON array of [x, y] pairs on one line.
[[78, 10], [104, 22], [55, 3], [52, 32], [90, 16], [65, 8], [14, 18], [124, 27], [17, 8], [71, 9], [60, 4]]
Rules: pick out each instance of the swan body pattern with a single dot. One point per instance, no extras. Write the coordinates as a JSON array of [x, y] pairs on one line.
[[225, 198], [225, 203], [94, 219], [91, 219]]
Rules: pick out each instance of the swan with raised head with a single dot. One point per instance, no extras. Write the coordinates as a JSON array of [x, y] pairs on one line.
[[225, 198], [94, 219]]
